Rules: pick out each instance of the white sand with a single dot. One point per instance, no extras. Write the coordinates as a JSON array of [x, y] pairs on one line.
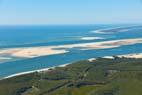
[[31, 52], [104, 44], [112, 44]]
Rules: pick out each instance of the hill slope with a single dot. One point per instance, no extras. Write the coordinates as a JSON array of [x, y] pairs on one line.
[[118, 76]]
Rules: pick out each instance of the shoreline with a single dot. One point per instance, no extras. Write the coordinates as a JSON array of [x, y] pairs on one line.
[[134, 55], [33, 71]]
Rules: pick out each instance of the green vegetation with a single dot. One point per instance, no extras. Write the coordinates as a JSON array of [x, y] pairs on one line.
[[118, 76]]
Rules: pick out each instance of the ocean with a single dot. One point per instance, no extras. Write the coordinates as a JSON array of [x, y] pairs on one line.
[[54, 35]]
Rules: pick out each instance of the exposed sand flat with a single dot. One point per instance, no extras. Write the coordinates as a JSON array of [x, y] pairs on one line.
[[114, 43], [139, 55], [30, 52], [104, 44]]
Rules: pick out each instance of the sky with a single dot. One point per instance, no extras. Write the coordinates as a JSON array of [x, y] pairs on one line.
[[29, 12]]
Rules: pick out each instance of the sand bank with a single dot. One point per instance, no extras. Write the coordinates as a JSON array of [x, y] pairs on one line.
[[31, 52], [104, 44]]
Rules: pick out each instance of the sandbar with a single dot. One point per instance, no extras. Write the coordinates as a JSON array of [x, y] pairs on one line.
[[30, 52]]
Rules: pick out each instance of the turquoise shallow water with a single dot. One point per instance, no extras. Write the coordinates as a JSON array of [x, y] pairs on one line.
[[32, 36]]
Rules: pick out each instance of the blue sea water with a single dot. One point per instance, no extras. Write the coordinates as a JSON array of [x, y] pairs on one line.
[[34, 36]]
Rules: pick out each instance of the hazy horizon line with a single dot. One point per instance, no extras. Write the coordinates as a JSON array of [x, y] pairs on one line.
[[70, 24]]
